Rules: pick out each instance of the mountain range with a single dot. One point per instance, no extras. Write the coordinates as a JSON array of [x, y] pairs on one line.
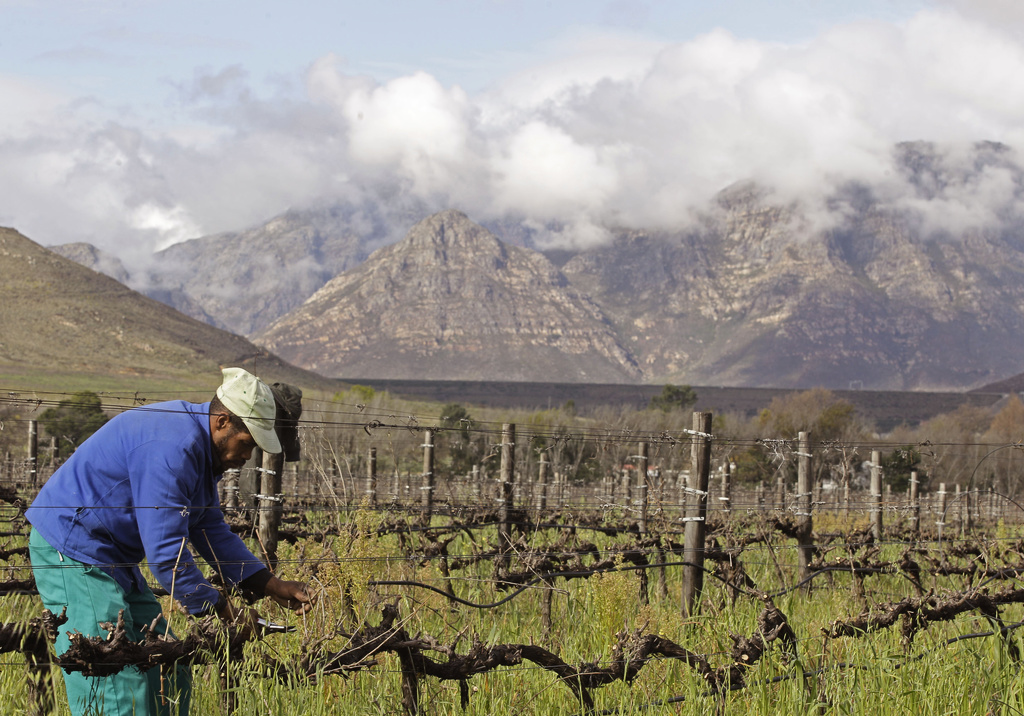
[[751, 293]]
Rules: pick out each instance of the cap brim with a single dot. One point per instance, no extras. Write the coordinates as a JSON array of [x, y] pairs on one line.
[[266, 439]]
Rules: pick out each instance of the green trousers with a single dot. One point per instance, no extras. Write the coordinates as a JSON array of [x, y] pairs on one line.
[[91, 597]]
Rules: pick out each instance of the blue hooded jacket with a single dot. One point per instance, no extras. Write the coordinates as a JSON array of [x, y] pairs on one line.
[[143, 486]]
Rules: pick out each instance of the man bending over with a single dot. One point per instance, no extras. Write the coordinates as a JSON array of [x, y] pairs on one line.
[[145, 486]]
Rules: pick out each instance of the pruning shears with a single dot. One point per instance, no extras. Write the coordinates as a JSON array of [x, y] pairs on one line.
[[271, 628]]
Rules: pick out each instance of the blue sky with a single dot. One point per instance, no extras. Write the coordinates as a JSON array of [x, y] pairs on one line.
[[133, 124], [132, 50]]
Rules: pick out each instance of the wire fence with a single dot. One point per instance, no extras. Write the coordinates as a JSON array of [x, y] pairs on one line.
[[586, 499]]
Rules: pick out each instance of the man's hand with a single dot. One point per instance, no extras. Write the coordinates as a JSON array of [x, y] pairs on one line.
[[293, 595]]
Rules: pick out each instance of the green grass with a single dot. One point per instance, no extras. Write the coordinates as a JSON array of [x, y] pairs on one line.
[[876, 674]]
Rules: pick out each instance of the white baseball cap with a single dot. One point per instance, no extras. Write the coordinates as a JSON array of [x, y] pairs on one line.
[[251, 399]]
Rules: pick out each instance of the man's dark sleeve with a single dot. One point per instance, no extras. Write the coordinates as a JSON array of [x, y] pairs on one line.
[[257, 582]]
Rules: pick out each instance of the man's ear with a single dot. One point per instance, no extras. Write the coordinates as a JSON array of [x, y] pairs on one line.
[[220, 421]]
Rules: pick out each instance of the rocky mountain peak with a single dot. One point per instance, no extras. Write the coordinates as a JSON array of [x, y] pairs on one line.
[[451, 299], [452, 237], [450, 229]]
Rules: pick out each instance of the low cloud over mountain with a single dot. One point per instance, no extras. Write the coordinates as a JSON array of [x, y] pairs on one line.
[[607, 129]]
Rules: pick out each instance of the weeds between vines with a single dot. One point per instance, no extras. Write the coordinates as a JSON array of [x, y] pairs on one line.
[[874, 674]]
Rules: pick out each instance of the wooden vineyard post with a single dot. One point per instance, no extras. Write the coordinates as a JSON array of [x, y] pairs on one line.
[[642, 485], [915, 505], [371, 487], [293, 480], [508, 458], [955, 510], [627, 482], [726, 497], [521, 492], [959, 511], [230, 487], [967, 523], [427, 498], [804, 526], [780, 494], [474, 477], [542, 480], [661, 478], [249, 487], [876, 495], [222, 492], [545, 481], [942, 510], [33, 452], [270, 505], [696, 513], [876, 508]]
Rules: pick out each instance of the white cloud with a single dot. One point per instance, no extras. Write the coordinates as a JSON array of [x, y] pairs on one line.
[[172, 223], [545, 174], [412, 126], [328, 83], [605, 129], [960, 187], [1001, 13]]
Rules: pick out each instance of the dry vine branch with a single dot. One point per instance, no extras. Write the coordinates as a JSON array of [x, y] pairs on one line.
[[32, 637], [916, 613], [95, 656], [98, 656]]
